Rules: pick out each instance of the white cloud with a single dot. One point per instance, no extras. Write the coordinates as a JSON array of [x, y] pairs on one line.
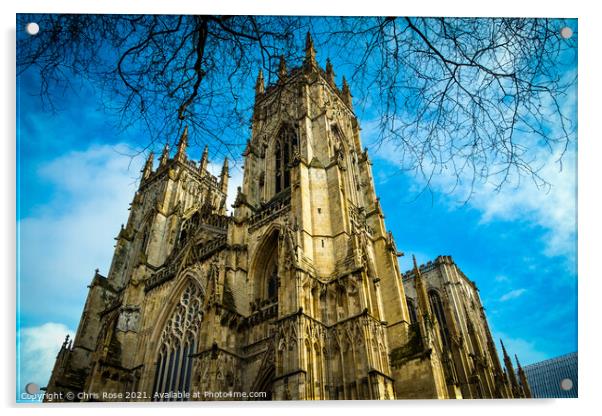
[[513, 294], [234, 182], [62, 242], [552, 208], [501, 278], [406, 263], [527, 351], [38, 347]]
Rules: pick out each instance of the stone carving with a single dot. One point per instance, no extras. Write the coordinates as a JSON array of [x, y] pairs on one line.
[[128, 319], [322, 316]]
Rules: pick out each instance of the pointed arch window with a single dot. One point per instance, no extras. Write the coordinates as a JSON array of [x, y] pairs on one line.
[[286, 145], [187, 227], [271, 278], [412, 310], [178, 344], [437, 307], [339, 139], [279, 167], [145, 238], [273, 284], [267, 279]]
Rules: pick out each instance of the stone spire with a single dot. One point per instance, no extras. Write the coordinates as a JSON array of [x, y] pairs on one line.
[[425, 322], [510, 370], [164, 155], [329, 72], [204, 160], [182, 145], [282, 71], [523, 379], [148, 166], [421, 295], [223, 177], [310, 52], [346, 93], [66, 342], [259, 84], [503, 349]]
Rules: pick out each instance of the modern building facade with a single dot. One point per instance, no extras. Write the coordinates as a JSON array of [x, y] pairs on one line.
[[554, 378], [297, 295]]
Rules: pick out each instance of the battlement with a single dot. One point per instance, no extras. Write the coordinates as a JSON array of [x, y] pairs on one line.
[[180, 160], [429, 266], [307, 69]]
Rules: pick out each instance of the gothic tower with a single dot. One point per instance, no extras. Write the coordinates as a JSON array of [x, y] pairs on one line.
[[120, 310], [296, 295], [471, 364]]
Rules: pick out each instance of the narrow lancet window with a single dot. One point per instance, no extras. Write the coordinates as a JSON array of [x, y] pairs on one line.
[[437, 307], [286, 145]]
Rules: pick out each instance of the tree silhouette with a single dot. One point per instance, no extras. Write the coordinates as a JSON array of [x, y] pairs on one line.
[[475, 97]]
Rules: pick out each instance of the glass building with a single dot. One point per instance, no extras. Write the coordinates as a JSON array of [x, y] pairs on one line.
[[554, 378]]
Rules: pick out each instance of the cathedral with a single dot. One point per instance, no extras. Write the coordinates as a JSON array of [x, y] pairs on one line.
[[296, 295]]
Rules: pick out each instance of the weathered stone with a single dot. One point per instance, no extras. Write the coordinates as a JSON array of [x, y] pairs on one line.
[[298, 294]]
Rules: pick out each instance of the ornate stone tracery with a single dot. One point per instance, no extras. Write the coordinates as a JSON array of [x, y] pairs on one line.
[[300, 295], [285, 147], [178, 342]]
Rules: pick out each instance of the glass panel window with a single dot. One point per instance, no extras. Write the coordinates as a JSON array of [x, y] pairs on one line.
[[174, 361]]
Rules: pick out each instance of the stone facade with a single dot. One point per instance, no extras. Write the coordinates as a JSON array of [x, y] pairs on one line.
[[471, 363], [297, 294]]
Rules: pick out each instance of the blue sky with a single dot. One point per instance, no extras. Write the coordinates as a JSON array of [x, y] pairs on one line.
[[76, 179]]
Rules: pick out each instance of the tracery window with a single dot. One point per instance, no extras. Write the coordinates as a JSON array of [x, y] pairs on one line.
[[178, 344], [437, 307], [188, 227], [286, 144]]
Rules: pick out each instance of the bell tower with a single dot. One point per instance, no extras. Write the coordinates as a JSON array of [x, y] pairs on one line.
[[165, 208], [162, 208], [297, 294], [308, 187]]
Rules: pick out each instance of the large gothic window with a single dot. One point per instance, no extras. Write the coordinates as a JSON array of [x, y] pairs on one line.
[[286, 145], [437, 307], [178, 344]]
